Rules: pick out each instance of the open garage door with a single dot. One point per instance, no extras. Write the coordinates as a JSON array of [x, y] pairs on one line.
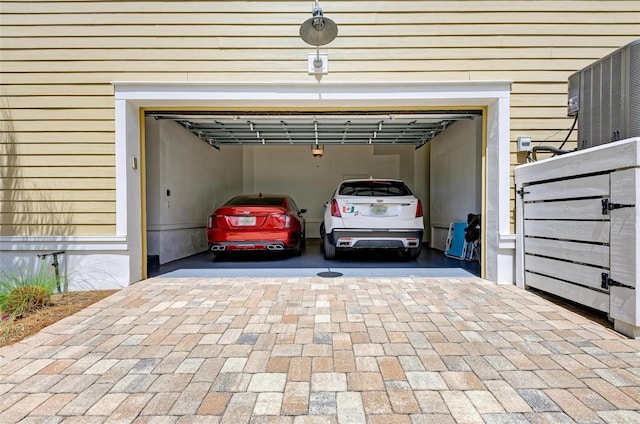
[[196, 160]]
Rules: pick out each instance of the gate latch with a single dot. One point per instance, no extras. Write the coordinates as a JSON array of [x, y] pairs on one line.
[[607, 282], [608, 206]]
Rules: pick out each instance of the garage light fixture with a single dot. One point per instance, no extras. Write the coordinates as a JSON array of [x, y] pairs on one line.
[[318, 31], [316, 150]]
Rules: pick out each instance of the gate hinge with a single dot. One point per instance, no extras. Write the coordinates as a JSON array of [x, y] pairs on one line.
[[608, 206], [521, 192], [607, 282]]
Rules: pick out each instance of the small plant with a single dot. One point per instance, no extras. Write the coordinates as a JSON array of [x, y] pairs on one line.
[[25, 291], [25, 299]]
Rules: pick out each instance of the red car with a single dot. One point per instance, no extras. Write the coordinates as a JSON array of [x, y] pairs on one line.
[[257, 222]]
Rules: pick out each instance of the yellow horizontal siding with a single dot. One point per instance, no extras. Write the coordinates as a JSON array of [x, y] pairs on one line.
[[282, 7], [67, 183], [70, 114], [551, 136], [52, 228], [57, 89], [40, 149], [57, 137], [290, 54], [183, 37], [61, 172], [35, 206], [61, 160], [353, 18], [32, 102], [540, 124], [338, 66], [538, 100], [32, 195], [541, 88], [292, 74], [537, 113], [58, 59], [71, 125], [276, 31]]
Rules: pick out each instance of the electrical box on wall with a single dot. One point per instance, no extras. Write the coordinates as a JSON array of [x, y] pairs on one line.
[[524, 143]]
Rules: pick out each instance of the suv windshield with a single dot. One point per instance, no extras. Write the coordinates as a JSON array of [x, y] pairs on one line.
[[374, 188]]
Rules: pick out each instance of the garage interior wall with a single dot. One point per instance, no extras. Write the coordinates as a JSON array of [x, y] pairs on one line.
[[185, 179], [456, 177]]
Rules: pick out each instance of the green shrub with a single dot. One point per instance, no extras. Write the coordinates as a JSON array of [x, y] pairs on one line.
[[25, 299], [25, 291]]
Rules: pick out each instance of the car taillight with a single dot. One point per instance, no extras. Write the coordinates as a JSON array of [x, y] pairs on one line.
[[210, 222], [335, 209], [419, 212], [281, 220]]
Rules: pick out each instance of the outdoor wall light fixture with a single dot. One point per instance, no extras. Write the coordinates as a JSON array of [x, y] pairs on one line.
[[318, 31]]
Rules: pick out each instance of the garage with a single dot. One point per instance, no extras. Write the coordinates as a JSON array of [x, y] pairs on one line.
[[196, 160], [190, 147]]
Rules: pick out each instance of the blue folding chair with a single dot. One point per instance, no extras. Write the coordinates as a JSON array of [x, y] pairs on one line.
[[456, 245]]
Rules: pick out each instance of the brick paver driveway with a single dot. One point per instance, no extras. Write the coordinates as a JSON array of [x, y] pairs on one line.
[[313, 350]]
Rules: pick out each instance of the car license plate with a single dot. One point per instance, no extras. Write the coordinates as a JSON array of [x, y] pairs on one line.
[[378, 210], [246, 220]]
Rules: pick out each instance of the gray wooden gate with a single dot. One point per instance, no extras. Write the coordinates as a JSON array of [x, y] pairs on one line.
[[578, 229]]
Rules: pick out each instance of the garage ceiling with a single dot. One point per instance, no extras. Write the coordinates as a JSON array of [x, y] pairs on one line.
[[216, 129]]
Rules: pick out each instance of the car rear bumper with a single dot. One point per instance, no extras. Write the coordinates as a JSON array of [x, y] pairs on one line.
[[350, 238], [251, 240], [249, 245]]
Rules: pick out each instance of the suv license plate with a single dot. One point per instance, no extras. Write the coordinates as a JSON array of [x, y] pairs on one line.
[[378, 210]]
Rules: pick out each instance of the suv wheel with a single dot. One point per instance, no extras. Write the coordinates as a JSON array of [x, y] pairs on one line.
[[329, 249]]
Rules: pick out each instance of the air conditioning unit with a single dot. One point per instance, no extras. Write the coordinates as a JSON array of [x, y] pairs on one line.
[[606, 97]]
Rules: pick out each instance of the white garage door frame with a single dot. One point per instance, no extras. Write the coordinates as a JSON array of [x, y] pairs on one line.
[[493, 97]]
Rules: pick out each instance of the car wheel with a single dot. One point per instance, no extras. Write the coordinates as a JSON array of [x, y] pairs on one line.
[[329, 249], [411, 253], [297, 251]]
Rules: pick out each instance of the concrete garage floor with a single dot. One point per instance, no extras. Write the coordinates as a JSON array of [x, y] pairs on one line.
[[431, 263]]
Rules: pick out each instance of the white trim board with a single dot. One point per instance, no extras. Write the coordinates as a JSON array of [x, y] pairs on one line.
[[493, 96]]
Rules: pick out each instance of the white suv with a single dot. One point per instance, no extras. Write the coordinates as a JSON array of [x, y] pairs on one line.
[[373, 214]]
